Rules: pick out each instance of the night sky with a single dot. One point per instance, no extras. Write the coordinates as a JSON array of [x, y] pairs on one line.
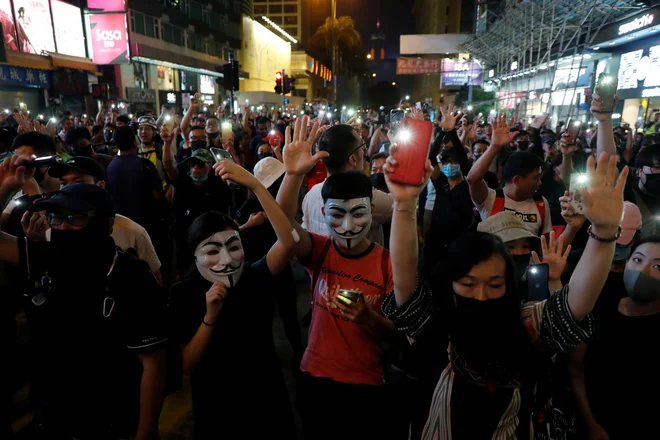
[[395, 19]]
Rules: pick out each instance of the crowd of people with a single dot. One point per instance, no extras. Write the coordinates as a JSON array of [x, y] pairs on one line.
[[140, 249]]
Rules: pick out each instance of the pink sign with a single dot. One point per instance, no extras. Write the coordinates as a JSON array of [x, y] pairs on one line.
[[106, 5], [109, 38], [417, 66]]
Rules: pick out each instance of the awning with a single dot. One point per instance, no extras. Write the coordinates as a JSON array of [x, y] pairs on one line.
[[72, 62]]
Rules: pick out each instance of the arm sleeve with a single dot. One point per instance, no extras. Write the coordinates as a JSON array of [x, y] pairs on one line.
[[537, 147], [435, 148], [318, 243], [413, 316], [487, 206]]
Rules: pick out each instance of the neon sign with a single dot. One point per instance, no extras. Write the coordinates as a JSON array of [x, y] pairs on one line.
[[636, 23]]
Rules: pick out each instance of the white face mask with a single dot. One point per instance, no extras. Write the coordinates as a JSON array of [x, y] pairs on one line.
[[221, 258], [349, 220]]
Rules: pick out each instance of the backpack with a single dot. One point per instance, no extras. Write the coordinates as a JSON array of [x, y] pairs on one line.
[[498, 205]]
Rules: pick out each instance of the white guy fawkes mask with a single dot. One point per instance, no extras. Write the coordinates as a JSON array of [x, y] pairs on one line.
[[221, 258], [349, 220]]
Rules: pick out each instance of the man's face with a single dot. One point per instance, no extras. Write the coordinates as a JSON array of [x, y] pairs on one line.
[[59, 222], [348, 220], [146, 134], [108, 118], [199, 169], [489, 130], [364, 133], [199, 137], [120, 124], [262, 128], [245, 141], [81, 143], [73, 177], [377, 166], [528, 185], [551, 152], [521, 246], [200, 122], [212, 126], [67, 124], [479, 149]]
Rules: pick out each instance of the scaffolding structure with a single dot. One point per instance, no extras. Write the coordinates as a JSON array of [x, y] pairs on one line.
[[528, 34]]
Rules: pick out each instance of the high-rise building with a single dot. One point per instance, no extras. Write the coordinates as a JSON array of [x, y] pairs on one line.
[[287, 14], [377, 50]]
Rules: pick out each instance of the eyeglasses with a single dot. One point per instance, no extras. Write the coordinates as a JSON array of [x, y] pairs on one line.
[[362, 147], [655, 169], [195, 139], [55, 219]]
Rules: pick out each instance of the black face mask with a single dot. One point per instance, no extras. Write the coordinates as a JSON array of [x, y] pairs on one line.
[[652, 184], [262, 155], [82, 151], [523, 145], [77, 246], [196, 145], [213, 135], [378, 181]]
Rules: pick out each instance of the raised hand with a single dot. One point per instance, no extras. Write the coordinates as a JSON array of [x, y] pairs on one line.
[[567, 148], [449, 119], [416, 114], [401, 192], [501, 131], [228, 170], [297, 155], [35, 226], [24, 123], [39, 127], [215, 298], [539, 121], [603, 195], [597, 106], [552, 256], [13, 175], [256, 219], [168, 133]]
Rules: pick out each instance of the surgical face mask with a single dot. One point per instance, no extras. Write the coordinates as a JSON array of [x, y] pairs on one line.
[[213, 135], [262, 155], [201, 179], [220, 258], [621, 253], [348, 220], [642, 288], [196, 145], [451, 170]]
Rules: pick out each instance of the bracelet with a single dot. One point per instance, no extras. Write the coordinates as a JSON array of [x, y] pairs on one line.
[[394, 206], [207, 324], [601, 239]]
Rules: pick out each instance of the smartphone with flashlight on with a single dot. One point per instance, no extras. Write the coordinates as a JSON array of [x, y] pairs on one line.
[[578, 181], [607, 85], [396, 116], [348, 297], [537, 282], [43, 162], [226, 133], [572, 130], [413, 143]]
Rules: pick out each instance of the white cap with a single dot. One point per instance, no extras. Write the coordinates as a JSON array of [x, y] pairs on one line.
[[268, 170]]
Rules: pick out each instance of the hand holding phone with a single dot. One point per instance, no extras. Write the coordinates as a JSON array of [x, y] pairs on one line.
[[537, 282], [411, 151], [396, 116], [606, 91], [45, 161], [579, 182]]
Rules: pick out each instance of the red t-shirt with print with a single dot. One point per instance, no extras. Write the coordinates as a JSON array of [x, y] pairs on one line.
[[318, 174], [338, 348]]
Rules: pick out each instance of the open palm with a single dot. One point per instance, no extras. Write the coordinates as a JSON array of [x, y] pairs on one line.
[[297, 154], [603, 195], [552, 256], [449, 119], [502, 134]]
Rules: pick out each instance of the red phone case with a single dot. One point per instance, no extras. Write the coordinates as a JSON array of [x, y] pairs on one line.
[[413, 152]]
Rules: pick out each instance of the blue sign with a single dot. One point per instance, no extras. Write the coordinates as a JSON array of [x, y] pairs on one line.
[[23, 76], [286, 101]]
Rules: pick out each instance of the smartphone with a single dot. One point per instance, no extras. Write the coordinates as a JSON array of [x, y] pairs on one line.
[[578, 181], [348, 297], [220, 154], [432, 115], [226, 132], [45, 161], [607, 85], [572, 130], [537, 282], [469, 117], [396, 116], [413, 143]]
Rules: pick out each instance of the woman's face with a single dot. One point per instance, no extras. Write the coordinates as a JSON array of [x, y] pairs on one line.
[[486, 280], [646, 259], [521, 246]]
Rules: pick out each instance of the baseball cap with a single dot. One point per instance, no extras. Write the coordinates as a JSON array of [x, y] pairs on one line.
[[203, 155], [85, 165], [147, 120], [79, 198], [507, 226], [632, 222], [268, 170]]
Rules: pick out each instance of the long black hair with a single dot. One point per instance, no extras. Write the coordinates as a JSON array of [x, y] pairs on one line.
[[206, 225]]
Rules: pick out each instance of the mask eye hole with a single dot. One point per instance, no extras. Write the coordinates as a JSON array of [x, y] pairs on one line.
[[213, 252], [234, 248]]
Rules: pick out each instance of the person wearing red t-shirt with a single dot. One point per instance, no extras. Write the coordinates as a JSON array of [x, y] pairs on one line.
[[342, 373]]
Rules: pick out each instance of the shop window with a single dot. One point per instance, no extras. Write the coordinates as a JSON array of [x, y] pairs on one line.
[[137, 21], [260, 10], [274, 9], [291, 19], [290, 9], [276, 20]]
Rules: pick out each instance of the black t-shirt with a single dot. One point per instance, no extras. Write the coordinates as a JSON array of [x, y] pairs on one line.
[[191, 201], [239, 373], [552, 190], [87, 337]]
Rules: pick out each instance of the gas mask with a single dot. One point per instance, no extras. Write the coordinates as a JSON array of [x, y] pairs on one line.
[[220, 258], [348, 220]]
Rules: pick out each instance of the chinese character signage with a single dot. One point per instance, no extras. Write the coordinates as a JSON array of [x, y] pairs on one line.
[[417, 66], [109, 38], [34, 26], [459, 72], [21, 76], [68, 29]]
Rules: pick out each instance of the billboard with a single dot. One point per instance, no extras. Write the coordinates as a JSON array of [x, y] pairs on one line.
[[106, 5], [109, 38], [68, 29], [417, 66], [206, 85], [459, 72], [34, 26], [8, 26], [263, 54]]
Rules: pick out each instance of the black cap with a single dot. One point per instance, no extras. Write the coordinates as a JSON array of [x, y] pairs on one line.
[[79, 198], [74, 134], [124, 119], [85, 165]]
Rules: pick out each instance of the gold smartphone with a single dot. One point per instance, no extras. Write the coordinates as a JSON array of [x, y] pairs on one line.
[[348, 297]]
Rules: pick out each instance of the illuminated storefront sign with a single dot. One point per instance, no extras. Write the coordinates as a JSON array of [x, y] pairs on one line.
[[106, 5], [640, 66], [171, 98], [460, 72], [651, 93], [206, 84], [636, 23], [109, 38], [68, 29]]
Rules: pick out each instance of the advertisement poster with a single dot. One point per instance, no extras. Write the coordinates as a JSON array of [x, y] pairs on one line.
[[206, 85], [461, 72], [417, 66], [34, 26], [106, 5], [109, 38], [8, 27], [68, 29]]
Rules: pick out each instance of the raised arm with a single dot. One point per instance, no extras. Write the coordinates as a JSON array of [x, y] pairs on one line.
[[169, 151], [500, 139], [13, 176], [605, 139], [163, 114], [282, 251], [603, 205], [185, 123], [403, 235], [246, 122]]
